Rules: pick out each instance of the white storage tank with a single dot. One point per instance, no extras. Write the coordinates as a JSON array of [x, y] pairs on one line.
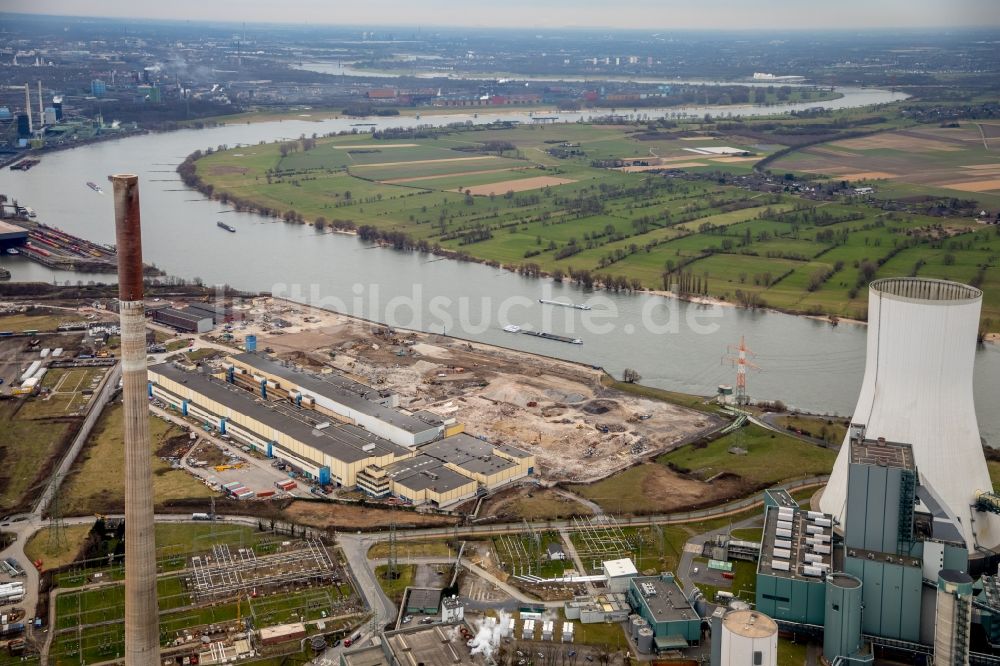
[[638, 623], [645, 641], [748, 637]]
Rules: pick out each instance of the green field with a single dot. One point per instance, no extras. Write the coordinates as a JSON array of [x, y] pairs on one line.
[[621, 230], [769, 459], [96, 480], [26, 449]]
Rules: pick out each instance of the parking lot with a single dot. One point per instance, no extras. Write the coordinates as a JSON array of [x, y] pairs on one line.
[[218, 460]]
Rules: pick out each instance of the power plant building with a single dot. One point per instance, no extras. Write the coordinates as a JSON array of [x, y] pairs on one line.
[[917, 389], [661, 603], [796, 553]]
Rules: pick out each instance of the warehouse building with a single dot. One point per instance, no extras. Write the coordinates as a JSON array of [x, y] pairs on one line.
[[660, 601], [337, 396], [219, 314], [12, 236], [492, 465], [424, 480], [182, 320], [327, 452]]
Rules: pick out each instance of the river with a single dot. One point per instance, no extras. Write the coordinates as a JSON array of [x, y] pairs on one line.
[[676, 345]]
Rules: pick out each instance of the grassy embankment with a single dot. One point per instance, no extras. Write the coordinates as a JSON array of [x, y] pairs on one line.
[[770, 459], [778, 250]]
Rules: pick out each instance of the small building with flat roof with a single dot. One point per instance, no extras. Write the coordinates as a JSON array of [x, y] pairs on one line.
[[619, 572], [661, 602], [424, 600]]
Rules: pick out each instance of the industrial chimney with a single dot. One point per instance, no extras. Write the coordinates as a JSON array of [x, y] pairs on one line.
[[142, 635], [917, 390]]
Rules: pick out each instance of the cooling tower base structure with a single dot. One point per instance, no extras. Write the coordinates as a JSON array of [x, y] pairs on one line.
[[917, 389], [142, 629]]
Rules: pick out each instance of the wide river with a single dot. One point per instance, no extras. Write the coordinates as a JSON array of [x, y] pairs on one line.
[[807, 363]]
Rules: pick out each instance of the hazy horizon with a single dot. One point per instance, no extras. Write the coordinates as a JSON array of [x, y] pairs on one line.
[[554, 14]]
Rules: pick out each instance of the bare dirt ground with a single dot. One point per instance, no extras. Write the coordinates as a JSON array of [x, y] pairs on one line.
[[323, 515], [414, 179], [577, 429], [976, 185], [521, 185]]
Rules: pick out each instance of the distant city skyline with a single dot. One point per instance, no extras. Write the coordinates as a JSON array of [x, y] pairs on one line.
[[552, 14]]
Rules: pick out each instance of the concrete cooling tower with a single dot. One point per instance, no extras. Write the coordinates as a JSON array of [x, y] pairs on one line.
[[917, 390]]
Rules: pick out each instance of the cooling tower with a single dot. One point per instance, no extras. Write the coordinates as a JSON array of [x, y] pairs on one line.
[[917, 390]]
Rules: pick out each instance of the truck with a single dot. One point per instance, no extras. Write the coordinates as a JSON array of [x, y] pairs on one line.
[[200, 516], [353, 638]]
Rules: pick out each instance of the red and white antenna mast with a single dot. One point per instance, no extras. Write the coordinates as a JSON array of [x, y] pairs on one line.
[[739, 356]]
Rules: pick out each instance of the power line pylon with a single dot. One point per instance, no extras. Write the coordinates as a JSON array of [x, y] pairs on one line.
[[739, 357]]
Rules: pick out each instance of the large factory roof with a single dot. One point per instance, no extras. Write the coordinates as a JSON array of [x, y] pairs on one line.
[[341, 441], [471, 454], [191, 316], [796, 544], [881, 453], [422, 472], [339, 389], [664, 598]]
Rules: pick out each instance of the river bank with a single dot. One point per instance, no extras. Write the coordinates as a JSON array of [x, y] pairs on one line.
[[675, 345]]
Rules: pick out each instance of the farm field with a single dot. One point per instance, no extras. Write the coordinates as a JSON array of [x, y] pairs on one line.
[[553, 199], [958, 159]]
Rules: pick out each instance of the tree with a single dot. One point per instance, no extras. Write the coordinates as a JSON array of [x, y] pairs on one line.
[[630, 376]]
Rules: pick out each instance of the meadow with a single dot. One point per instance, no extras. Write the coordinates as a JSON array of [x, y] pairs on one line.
[[572, 201]]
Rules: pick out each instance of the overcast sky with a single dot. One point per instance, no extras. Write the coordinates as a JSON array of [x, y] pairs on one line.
[[647, 14]]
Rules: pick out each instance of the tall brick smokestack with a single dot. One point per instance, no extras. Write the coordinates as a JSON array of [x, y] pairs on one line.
[[142, 635]]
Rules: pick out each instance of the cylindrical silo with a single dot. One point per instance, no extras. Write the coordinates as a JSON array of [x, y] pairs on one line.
[[917, 389], [745, 633], [952, 618], [644, 642], [842, 617], [638, 623]]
